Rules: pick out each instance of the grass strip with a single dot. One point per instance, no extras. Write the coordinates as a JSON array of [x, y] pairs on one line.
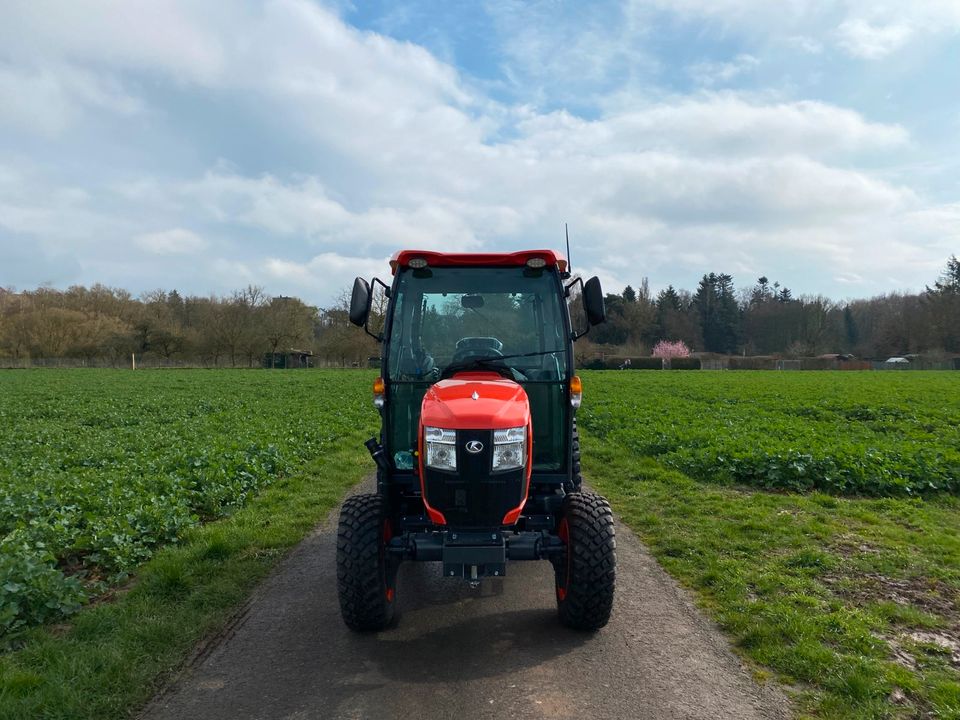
[[110, 659], [850, 603]]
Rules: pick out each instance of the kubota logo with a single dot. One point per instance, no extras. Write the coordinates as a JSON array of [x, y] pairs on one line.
[[474, 446]]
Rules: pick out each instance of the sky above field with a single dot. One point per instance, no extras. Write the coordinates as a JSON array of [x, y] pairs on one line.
[[293, 144]]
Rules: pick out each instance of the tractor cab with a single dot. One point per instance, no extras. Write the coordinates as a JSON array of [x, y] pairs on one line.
[[478, 457]]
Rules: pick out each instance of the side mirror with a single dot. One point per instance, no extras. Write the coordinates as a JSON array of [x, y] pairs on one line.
[[360, 302], [593, 301]]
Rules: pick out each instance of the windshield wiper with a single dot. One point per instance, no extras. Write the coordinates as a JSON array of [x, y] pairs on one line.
[[489, 360]]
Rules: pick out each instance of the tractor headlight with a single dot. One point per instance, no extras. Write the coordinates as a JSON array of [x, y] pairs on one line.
[[509, 448], [441, 448]]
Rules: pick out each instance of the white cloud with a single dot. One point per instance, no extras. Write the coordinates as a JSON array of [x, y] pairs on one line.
[[233, 273], [180, 38], [171, 242], [806, 43], [868, 29], [327, 76], [871, 42], [785, 192], [396, 149], [328, 275], [711, 74], [47, 100], [330, 271], [299, 209], [573, 56], [62, 216], [716, 125], [304, 209]]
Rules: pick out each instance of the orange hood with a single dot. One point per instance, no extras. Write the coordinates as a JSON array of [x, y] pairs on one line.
[[475, 401]]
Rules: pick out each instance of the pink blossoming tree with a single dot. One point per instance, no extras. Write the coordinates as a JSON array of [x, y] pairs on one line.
[[671, 349]]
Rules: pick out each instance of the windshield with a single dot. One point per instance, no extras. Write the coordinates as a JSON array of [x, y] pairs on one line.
[[454, 316], [510, 319]]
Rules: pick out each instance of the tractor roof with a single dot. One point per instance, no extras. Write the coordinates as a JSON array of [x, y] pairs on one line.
[[402, 258]]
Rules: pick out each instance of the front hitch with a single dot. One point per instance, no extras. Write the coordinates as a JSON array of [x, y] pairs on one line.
[[471, 554]]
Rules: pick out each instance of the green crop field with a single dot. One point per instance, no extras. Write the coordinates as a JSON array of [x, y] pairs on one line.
[[98, 469], [155, 501], [814, 515], [839, 432]]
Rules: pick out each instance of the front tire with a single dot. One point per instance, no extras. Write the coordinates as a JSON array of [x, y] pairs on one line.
[[366, 575], [586, 573]]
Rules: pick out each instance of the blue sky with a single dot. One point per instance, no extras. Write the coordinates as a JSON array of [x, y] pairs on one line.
[[293, 144]]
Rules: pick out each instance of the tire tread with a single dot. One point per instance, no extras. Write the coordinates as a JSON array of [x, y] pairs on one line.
[[361, 583], [593, 563]]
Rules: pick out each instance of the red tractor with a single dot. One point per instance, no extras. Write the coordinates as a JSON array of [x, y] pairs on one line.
[[478, 460]]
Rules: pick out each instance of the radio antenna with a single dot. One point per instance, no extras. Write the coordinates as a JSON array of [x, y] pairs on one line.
[[566, 231]]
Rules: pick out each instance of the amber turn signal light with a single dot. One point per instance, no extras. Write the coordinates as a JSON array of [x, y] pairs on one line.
[[576, 391]]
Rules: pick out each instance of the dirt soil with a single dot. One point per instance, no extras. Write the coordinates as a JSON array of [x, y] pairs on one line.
[[493, 652]]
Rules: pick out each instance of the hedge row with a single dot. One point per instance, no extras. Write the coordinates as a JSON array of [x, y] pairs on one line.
[[613, 362]]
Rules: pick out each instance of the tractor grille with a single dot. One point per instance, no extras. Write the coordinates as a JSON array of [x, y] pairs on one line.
[[474, 497]]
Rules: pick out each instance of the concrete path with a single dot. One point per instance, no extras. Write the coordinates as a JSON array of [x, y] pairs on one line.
[[493, 652]]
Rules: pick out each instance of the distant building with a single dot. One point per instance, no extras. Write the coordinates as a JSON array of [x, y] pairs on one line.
[[288, 360]]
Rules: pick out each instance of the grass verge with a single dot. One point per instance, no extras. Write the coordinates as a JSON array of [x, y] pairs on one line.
[[111, 657], [853, 604]]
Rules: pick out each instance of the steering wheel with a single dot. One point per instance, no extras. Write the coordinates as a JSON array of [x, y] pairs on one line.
[[462, 356], [466, 355]]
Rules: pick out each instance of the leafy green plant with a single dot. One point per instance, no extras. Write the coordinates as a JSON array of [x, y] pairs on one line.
[[99, 469], [878, 434]]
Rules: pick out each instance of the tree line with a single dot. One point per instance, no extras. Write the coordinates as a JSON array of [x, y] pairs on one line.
[[768, 319], [103, 325]]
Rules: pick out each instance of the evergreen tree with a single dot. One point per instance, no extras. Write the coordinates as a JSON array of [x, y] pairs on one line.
[[719, 313], [669, 317], [949, 281], [668, 299], [728, 313], [942, 303], [761, 292], [851, 332], [706, 302]]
